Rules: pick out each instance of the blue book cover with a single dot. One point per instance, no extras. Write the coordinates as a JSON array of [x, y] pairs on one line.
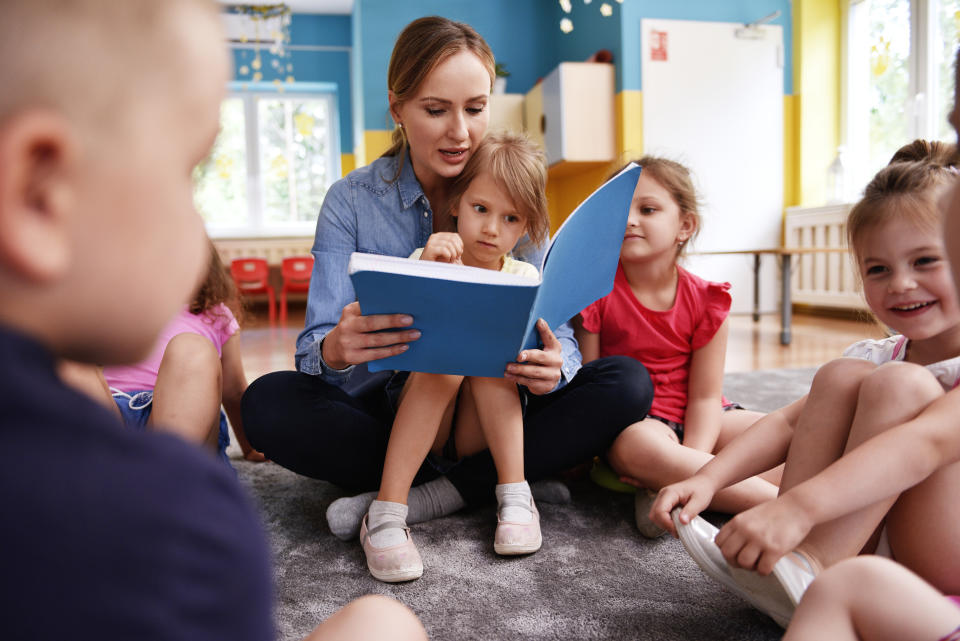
[[474, 321]]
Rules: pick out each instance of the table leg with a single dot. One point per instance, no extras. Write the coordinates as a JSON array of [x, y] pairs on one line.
[[756, 288], [786, 309]]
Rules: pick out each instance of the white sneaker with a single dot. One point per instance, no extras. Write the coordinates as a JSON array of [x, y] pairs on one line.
[[776, 594]]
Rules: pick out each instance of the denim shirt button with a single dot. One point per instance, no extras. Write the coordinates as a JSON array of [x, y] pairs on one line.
[[425, 214]]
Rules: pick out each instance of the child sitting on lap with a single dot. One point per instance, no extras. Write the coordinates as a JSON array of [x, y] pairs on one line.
[[496, 199]]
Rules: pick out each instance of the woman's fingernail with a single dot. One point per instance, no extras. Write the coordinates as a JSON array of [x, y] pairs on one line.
[[415, 334], [406, 320]]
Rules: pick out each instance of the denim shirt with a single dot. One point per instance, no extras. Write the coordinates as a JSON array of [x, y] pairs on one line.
[[364, 212]]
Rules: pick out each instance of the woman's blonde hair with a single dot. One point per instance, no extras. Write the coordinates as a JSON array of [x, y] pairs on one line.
[[677, 180], [907, 189], [421, 46], [518, 167]]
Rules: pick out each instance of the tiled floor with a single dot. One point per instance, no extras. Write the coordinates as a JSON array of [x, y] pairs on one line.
[[751, 346]]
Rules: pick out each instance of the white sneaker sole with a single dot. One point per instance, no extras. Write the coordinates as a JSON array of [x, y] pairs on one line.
[[776, 594]]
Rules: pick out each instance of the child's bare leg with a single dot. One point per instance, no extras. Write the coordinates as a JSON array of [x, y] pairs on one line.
[[497, 406], [370, 617], [186, 399], [892, 394], [87, 378], [871, 599], [732, 424], [422, 407], [650, 452], [824, 425], [924, 529]]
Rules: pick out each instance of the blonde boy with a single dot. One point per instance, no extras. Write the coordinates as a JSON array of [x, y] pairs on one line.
[[106, 106]]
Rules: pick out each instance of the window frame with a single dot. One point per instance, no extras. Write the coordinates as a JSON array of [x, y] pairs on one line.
[[923, 84], [251, 93]]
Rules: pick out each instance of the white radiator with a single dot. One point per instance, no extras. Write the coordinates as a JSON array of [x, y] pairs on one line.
[[273, 249], [827, 279]]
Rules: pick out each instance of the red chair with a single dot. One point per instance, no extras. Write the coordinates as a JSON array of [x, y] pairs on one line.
[[252, 276], [296, 272]]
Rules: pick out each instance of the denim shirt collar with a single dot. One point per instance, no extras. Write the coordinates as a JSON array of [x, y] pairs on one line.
[[410, 189]]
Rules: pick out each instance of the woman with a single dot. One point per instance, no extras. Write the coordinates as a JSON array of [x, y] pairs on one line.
[[331, 420]]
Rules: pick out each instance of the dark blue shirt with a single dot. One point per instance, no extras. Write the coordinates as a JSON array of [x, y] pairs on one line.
[[109, 533]]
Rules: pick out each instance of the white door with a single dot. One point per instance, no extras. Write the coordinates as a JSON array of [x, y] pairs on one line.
[[713, 100]]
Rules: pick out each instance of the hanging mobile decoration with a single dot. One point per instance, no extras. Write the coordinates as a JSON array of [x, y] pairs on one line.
[[271, 25]]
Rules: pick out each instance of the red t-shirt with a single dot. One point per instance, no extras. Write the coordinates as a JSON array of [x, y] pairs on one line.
[[662, 341]]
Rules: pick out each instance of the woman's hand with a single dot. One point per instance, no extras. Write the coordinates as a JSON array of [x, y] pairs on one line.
[[358, 339], [538, 369], [757, 538], [693, 495], [443, 247]]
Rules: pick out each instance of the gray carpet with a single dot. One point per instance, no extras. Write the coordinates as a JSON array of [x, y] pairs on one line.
[[595, 577]]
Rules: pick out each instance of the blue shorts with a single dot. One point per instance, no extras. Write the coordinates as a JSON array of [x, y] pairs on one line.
[[135, 408]]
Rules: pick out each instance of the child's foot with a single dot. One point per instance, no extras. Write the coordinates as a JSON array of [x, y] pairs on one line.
[[776, 594], [518, 522], [345, 514], [641, 513], [391, 555]]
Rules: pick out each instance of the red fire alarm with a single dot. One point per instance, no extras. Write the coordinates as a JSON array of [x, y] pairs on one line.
[[658, 45]]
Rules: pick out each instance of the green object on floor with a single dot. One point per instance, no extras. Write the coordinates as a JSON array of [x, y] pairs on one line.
[[604, 476]]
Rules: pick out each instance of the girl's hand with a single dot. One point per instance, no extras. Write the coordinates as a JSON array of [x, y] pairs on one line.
[[538, 369], [443, 247], [358, 339], [693, 495], [757, 538]]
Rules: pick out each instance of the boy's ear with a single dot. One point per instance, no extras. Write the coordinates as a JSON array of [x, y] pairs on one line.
[[37, 154]]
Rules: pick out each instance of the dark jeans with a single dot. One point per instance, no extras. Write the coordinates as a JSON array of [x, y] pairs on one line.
[[317, 429]]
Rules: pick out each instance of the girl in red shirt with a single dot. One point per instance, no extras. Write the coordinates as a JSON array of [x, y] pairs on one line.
[[675, 323]]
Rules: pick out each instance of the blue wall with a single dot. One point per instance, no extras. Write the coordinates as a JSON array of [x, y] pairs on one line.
[[314, 66], [516, 30]]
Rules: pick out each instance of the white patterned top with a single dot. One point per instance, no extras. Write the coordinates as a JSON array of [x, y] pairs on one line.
[[894, 348]]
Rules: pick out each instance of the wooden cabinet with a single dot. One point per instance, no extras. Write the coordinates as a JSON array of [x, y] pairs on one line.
[[571, 113], [506, 112]]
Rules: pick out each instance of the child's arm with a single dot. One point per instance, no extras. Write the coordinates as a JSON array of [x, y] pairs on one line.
[[883, 466], [234, 383], [760, 447], [589, 342], [701, 423]]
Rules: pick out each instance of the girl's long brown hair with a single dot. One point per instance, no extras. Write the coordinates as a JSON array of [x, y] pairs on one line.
[[218, 287]]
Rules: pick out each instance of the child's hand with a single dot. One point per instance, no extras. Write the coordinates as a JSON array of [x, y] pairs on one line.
[[693, 495], [757, 538], [443, 247], [538, 369]]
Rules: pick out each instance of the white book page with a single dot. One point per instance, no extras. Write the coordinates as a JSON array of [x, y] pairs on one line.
[[360, 262]]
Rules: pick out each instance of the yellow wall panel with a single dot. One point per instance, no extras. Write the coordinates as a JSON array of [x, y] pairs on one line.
[[629, 122], [347, 164], [375, 142]]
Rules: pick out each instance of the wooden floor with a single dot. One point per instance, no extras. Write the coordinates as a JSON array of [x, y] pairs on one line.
[[751, 346]]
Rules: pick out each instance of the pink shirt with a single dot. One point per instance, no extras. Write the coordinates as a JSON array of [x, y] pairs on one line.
[[663, 341], [217, 323]]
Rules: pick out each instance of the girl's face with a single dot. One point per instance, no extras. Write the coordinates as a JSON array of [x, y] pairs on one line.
[[446, 118], [488, 222], [655, 226], [906, 279]]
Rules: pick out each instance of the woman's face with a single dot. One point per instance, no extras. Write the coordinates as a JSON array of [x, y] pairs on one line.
[[446, 118]]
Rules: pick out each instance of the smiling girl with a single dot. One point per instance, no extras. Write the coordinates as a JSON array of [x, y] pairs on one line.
[[871, 452]]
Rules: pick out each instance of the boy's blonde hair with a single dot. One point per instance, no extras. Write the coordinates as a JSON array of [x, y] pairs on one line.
[[676, 179], [74, 56], [518, 166], [907, 188]]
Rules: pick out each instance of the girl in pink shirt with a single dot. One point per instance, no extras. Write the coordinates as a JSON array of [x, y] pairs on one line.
[[194, 367], [675, 323]]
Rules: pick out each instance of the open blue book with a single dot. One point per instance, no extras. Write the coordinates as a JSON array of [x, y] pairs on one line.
[[474, 321]]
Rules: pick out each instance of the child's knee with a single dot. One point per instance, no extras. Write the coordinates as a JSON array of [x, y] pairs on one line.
[[902, 384], [191, 354], [640, 445], [842, 374]]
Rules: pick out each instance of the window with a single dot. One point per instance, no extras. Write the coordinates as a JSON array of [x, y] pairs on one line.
[[899, 78], [271, 166]]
